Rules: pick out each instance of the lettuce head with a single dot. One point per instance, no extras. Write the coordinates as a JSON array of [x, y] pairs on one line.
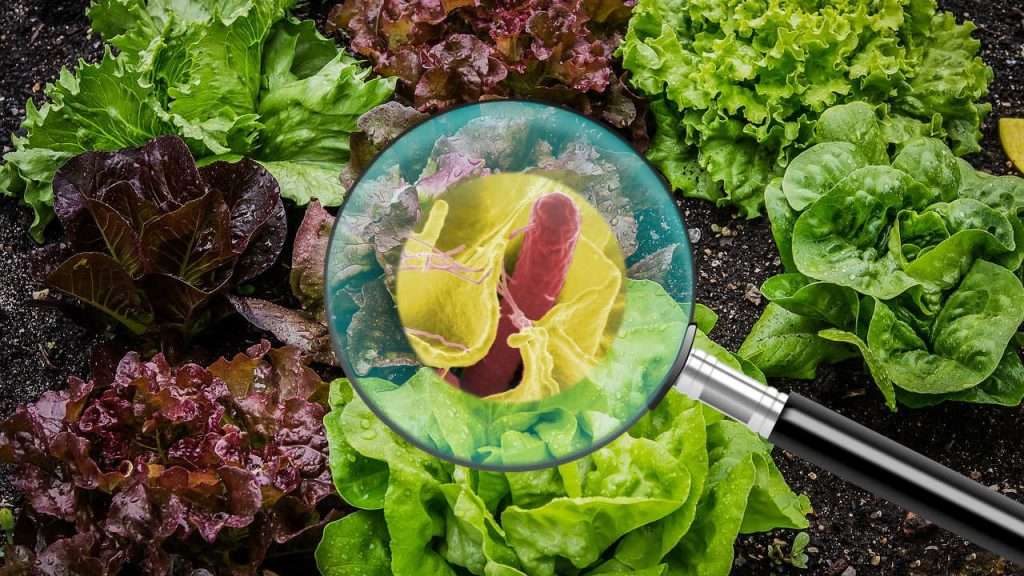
[[738, 86]]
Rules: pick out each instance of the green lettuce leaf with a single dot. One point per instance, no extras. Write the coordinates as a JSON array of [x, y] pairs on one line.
[[818, 170], [233, 79], [840, 238], [708, 546], [786, 345], [361, 481], [740, 88], [1005, 387], [915, 264], [313, 96], [359, 545], [101, 107], [669, 496], [650, 497], [782, 218], [967, 339]]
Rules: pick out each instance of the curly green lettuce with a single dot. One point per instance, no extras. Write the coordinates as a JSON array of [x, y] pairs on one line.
[[236, 79], [670, 496], [912, 262], [738, 86]]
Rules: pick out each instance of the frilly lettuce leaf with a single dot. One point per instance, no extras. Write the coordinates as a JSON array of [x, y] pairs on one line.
[[313, 96], [445, 53], [670, 495], [738, 87], [232, 78], [101, 107]]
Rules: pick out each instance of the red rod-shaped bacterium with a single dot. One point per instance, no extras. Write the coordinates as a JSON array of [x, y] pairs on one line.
[[540, 272]]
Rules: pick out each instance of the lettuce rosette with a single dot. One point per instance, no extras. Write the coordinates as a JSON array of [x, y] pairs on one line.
[[427, 258], [911, 261], [669, 497]]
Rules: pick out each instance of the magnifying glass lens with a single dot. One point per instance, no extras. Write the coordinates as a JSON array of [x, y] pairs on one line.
[[509, 286]]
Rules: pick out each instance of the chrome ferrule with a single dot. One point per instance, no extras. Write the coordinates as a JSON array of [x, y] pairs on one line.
[[706, 379]]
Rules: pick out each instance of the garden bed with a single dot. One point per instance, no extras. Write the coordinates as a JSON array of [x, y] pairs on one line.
[[851, 531]]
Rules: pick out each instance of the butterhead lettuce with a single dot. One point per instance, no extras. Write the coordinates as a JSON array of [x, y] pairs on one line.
[[911, 262]]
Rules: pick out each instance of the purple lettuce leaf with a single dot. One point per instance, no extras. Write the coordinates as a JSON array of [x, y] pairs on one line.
[[258, 224], [291, 327], [447, 52], [378, 128], [153, 466], [309, 256], [154, 238], [98, 280]]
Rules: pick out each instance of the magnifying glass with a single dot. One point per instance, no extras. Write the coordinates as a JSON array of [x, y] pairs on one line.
[[510, 287]]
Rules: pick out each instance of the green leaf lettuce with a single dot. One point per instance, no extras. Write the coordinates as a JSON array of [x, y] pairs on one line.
[[913, 264], [738, 87], [234, 79], [668, 497]]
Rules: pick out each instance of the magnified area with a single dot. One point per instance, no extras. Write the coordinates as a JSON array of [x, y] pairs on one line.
[[513, 287], [509, 286]]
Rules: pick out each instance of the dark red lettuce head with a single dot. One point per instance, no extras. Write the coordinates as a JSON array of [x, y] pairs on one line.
[[155, 238], [153, 466]]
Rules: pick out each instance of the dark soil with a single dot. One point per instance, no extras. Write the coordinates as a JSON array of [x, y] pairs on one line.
[[851, 531], [41, 348]]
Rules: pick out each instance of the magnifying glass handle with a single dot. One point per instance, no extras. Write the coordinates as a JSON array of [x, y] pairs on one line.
[[860, 456]]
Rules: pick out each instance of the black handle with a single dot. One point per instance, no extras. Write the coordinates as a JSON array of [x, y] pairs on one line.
[[902, 476]]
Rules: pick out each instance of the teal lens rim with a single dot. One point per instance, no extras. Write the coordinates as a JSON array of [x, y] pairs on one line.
[[653, 201]]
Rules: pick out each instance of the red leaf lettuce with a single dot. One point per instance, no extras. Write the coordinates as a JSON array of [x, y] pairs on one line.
[[446, 52], [155, 238], [165, 468]]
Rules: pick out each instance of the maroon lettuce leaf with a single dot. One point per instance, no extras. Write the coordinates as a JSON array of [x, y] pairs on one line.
[[192, 243], [304, 329], [379, 127], [459, 68], [153, 466], [99, 281], [309, 256], [258, 222], [295, 328], [446, 52], [385, 123], [451, 168], [375, 232], [154, 238]]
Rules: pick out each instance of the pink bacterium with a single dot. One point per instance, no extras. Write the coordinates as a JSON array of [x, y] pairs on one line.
[[549, 243]]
